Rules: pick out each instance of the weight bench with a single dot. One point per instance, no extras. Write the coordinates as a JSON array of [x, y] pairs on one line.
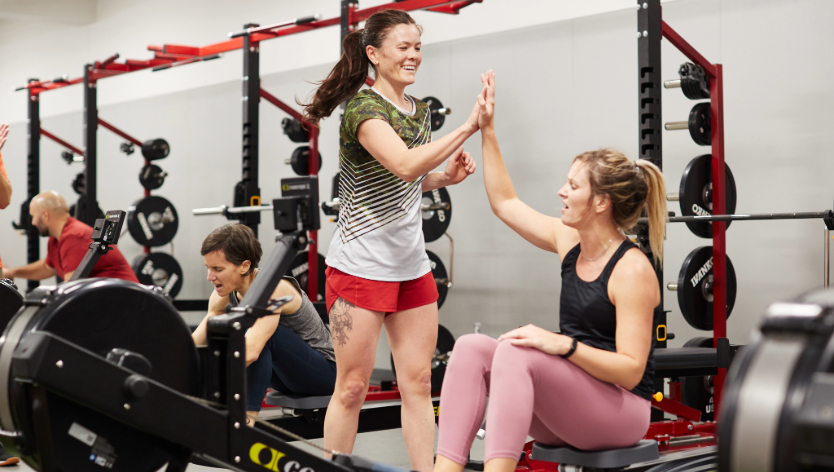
[[612, 459]]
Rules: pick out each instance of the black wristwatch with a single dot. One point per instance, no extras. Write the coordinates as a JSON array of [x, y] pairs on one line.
[[571, 351]]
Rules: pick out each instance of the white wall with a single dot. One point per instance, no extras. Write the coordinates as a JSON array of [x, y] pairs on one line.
[[563, 87]]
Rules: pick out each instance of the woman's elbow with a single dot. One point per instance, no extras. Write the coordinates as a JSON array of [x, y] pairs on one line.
[[633, 379]]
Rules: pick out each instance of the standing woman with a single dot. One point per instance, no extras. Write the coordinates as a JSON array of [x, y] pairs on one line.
[[379, 273], [589, 386]]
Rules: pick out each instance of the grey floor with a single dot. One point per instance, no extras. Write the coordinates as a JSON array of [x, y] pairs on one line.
[[383, 446]]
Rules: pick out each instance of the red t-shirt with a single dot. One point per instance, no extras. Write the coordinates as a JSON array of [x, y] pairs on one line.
[[65, 254]]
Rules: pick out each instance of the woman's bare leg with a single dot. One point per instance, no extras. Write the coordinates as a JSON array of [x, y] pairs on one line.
[[412, 335], [355, 334]]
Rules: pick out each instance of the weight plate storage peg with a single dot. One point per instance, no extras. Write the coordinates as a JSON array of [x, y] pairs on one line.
[[441, 277], [155, 149], [160, 270], [293, 129], [152, 177], [694, 287], [696, 194], [438, 112], [153, 221], [697, 392], [300, 160], [299, 269], [698, 124], [436, 222]]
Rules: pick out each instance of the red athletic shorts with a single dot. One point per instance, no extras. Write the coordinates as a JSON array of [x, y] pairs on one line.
[[387, 297]]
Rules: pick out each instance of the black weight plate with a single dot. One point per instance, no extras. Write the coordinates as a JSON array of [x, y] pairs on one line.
[[10, 301], [300, 266], [438, 270], [300, 160], [160, 270], [437, 119], [694, 294], [697, 391], [445, 344], [154, 149], [696, 193], [82, 204], [334, 191], [78, 183], [436, 222], [151, 177], [694, 81], [100, 315], [293, 129], [699, 124], [153, 221]]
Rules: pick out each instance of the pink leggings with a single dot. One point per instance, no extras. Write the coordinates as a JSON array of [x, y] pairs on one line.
[[534, 393]]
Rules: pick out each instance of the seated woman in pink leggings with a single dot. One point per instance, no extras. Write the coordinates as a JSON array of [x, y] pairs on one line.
[[588, 387]]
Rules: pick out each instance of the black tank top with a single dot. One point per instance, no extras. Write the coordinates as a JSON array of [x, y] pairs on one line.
[[587, 314]]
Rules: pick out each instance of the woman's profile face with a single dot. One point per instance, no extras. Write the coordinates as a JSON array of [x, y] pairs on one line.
[[576, 195], [224, 275], [399, 57]]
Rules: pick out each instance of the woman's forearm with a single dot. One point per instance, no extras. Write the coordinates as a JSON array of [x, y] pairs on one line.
[[612, 367], [499, 185]]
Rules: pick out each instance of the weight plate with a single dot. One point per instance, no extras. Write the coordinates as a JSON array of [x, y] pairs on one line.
[[293, 129], [696, 392], [445, 344], [153, 221], [98, 315], [438, 270], [436, 222], [152, 177], [10, 301], [699, 124], [694, 81], [299, 268], [78, 183], [437, 119], [695, 288], [300, 160], [160, 270], [154, 149], [82, 204], [696, 193]]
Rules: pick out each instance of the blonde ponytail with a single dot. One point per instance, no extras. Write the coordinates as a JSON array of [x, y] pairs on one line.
[[655, 206]]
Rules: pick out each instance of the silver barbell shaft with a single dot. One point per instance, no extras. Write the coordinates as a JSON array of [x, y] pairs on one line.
[[672, 84], [226, 209], [442, 111], [673, 197], [672, 287], [807, 215], [827, 258], [676, 125], [424, 207]]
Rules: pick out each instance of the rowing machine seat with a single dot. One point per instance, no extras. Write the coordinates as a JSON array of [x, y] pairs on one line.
[[645, 450]]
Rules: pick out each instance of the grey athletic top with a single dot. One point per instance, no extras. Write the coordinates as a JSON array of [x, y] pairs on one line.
[[305, 322]]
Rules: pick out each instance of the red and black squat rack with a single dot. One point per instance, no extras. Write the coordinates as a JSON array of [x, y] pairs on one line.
[[651, 28], [167, 56]]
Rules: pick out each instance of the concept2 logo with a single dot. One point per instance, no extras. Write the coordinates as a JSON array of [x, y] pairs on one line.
[[269, 458]]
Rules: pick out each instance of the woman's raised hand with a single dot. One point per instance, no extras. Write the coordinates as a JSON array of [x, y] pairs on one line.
[[486, 101]]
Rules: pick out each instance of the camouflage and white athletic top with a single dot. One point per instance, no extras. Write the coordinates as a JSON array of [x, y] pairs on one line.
[[379, 235]]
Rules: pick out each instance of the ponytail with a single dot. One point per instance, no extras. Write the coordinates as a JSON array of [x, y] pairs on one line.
[[343, 82], [351, 71], [655, 206]]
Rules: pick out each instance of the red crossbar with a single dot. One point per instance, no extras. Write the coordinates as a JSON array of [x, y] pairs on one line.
[[687, 49], [119, 132], [62, 142]]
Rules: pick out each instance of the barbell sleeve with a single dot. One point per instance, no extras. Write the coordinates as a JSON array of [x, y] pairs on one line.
[[672, 287], [442, 111], [210, 211], [669, 84], [673, 197], [676, 125]]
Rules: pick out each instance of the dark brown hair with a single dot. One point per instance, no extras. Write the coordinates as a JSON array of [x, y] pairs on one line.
[[238, 243], [632, 187], [350, 72]]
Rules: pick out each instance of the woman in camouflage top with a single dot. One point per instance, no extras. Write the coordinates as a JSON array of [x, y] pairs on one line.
[[378, 271]]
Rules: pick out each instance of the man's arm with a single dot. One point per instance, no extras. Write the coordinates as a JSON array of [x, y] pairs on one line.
[[5, 184], [68, 276], [35, 271]]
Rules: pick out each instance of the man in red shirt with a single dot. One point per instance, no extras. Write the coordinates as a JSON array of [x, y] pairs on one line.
[[69, 240], [5, 183]]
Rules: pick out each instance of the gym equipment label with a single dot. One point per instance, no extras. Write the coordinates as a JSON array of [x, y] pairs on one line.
[[82, 434]]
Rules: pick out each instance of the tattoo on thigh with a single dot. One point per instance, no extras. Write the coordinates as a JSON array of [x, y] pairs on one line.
[[341, 320]]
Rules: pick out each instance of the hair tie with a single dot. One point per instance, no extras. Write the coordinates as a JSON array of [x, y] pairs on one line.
[[638, 170]]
